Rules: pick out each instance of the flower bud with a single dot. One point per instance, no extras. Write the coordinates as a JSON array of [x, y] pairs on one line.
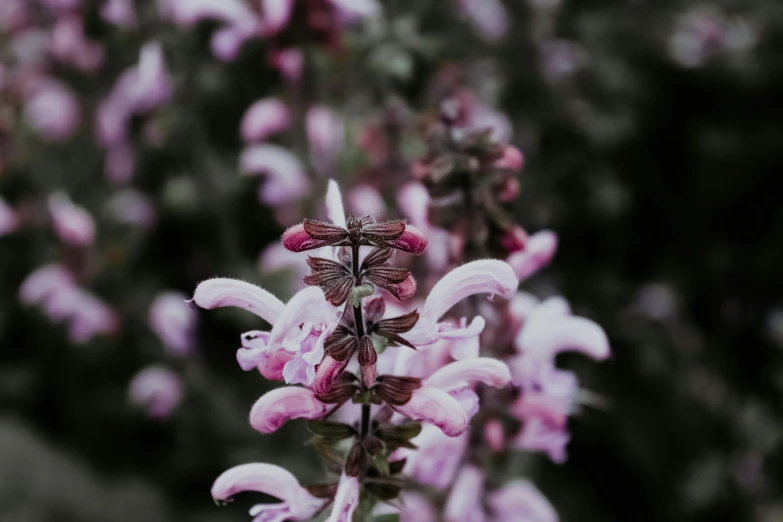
[[508, 190], [511, 159], [356, 461], [367, 359], [515, 239]]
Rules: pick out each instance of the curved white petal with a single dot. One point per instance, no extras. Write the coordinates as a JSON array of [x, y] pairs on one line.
[[436, 407], [306, 306], [280, 405], [484, 369], [334, 204], [219, 292]]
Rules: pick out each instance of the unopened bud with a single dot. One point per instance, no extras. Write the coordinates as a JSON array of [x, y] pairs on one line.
[[494, 435], [367, 359], [515, 239], [356, 461], [508, 190]]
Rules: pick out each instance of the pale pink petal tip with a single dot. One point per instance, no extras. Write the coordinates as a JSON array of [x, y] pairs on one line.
[[278, 406], [520, 499], [297, 503], [407, 288], [158, 390], [436, 407], [538, 252], [264, 118], [219, 292], [173, 321], [515, 239], [72, 223], [346, 500], [412, 241]]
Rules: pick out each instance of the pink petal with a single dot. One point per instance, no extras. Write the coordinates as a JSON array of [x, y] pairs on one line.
[[253, 352], [464, 339], [289, 62], [538, 435], [157, 389], [483, 369], [219, 292], [264, 118], [412, 241], [488, 16], [280, 405], [119, 163], [8, 219], [271, 480], [325, 134], [436, 407], [437, 458], [286, 179], [72, 223], [329, 369], [365, 200], [346, 500], [307, 305], [276, 15], [512, 159], [538, 252], [416, 508], [334, 204], [485, 276], [413, 199], [518, 500], [464, 502], [173, 321], [53, 112], [119, 13], [494, 435]]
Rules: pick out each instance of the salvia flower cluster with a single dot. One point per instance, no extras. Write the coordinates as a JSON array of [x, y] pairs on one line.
[[344, 345]]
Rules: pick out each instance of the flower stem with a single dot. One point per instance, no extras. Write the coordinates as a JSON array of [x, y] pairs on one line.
[[365, 420]]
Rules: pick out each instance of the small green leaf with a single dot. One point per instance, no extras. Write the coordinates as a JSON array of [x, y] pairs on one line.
[[360, 292]]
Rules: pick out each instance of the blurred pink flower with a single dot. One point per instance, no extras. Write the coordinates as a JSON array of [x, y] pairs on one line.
[[40, 285], [296, 503], [173, 321], [72, 223], [14, 14], [536, 253], [52, 111], [156, 389], [69, 45], [8, 218], [414, 201], [521, 500], [464, 502], [437, 458], [489, 17], [289, 62], [346, 500], [262, 119], [286, 180], [119, 13], [365, 200], [275, 15], [325, 133], [120, 161]]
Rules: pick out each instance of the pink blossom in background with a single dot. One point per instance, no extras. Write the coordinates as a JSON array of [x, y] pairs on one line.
[[276, 257], [289, 62], [559, 57], [88, 317], [489, 17], [8, 218], [296, 503], [69, 45], [120, 162], [173, 321], [40, 285], [325, 132], [139, 89], [52, 111], [437, 459], [464, 502], [285, 181], [521, 500], [72, 223], [30, 46], [365, 200], [157, 390], [263, 118], [14, 15], [275, 15], [537, 252], [119, 13], [131, 207], [414, 201]]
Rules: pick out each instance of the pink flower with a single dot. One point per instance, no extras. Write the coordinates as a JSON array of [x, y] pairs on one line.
[[52, 111], [414, 200], [464, 502], [120, 160], [488, 16], [289, 62], [325, 134], [438, 408], [275, 15], [294, 346], [538, 251], [173, 321], [521, 500], [485, 276], [280, 405], [14, 15], [43, 283], [286, 180], [156, 389], [456, 379], [296, 502], [512, 159], [346, 500], [68, 44], [8, 218], [264, 118], [436, 459], [365, 200], [119, 13], [72, 223]]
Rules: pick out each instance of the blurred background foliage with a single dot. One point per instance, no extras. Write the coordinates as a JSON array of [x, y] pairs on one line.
[[652, 147]]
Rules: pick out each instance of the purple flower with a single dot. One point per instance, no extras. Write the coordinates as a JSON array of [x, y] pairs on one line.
[[365, 200], [346, 500], [538, 251], [8, 218], [436, 407], [477, 277], [39, 286], [488, 16], [68, 44], [280, 405], [521, 500], [72, 223], [173, 321], [120, 160], [289, 62], [131, 207], [456, 379], [286, 180], [275, 15], [436, 459], [264, 118], [414, 201], [14, 15], [52, 111], [156, 389], [325, 133], [296, 503], [464, 502]]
